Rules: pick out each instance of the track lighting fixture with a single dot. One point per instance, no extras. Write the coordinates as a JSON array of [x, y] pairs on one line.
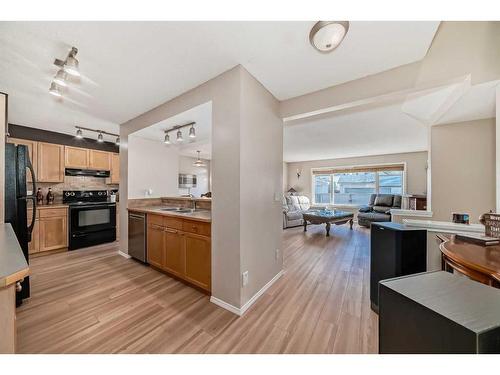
[[179, 136], [192, 132], [60, 78], [55, 90], [100, 136]]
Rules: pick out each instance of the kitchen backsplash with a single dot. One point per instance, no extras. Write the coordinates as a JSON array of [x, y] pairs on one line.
[[74, 183]]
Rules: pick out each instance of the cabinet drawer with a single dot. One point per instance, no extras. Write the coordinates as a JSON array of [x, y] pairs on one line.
[[53, 212], [155, 219], [174, 223], [197, 227]]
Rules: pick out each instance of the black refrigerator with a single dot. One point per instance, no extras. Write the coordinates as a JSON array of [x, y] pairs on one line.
[[17, 165]]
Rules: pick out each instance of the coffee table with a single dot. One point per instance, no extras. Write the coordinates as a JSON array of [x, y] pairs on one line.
[[327, 217]]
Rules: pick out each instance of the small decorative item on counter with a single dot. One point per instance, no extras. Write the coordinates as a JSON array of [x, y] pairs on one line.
[[460, 218], [50, 197], [491, 224], [39, 197], [112, 197]]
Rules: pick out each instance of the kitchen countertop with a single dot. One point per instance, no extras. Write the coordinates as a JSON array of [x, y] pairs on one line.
[[55, 205], [13, 265], [200, 215]]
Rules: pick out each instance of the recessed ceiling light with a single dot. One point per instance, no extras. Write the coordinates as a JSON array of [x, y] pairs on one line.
[[60, 78], [55, 90], [325, 36]]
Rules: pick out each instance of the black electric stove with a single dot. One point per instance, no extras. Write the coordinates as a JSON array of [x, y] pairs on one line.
[[92, 218]]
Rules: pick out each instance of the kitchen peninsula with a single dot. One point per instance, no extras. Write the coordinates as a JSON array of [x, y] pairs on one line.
[[176, 237]]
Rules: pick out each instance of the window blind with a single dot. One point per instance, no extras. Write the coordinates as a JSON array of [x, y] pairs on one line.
[[381, 168]]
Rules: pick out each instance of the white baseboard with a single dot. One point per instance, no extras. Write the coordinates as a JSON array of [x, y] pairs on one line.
[[241, 310], [124, 255]]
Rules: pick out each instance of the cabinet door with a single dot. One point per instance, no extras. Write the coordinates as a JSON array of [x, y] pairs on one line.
[[175, 252], [198, 260], [99, 160], [75, 157], [156, 245], [115, 168], [33, 245], [32, 151], [53, 233], [50, 162]]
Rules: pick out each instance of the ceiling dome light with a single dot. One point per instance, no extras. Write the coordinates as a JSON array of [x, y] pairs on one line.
[[192, 132], [100, 138], [79, 134], [198, 162], [325, 36], [179, 136], [167, 139], [55, 90], [61, 78], [117, 142]]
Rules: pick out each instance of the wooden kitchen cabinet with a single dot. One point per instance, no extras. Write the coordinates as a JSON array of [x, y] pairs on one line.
[[76, 157], [181, 248], [156, 245], [50, 162], [198, 260], [50, 231], [99, 160], [115, 169], [32, 151]]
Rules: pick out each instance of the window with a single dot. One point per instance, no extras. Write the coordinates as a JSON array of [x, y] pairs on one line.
[[355, 185]]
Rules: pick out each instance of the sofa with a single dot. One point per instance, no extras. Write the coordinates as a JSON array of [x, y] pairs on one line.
[[378, 209], [293, 207]]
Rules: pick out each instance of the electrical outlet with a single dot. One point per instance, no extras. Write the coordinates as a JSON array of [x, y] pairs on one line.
[[245, 278], [277, 254]]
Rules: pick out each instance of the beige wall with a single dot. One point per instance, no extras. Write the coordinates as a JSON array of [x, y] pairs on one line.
[[261, 167], [463, 169], [152, 166], [3, 123], [416, 173]]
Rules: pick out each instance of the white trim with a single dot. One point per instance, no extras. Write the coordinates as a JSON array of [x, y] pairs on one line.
[[416, 213], [250, 302], [125, 255], [497, 149], [444, 226]]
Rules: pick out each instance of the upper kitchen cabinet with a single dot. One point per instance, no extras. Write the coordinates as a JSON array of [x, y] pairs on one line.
[[75, 157], [115, 169], [50, 162], [99, 160], [32, 151]]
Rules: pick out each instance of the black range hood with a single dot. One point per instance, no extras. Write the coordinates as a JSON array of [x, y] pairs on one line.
[[86, 172]]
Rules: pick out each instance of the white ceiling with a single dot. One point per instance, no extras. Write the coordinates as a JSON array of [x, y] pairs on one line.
[[387, 128], [202, 115], [131, 67]]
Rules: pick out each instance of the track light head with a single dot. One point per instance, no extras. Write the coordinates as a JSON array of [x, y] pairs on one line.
[[61, 77], [79, 134], [71, 66], [117, 142], [192, 132], [55, 90], [167, 139], [100, 138], [179, 136]]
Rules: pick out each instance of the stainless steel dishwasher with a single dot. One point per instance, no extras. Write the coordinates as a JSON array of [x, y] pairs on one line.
[[137, 236]]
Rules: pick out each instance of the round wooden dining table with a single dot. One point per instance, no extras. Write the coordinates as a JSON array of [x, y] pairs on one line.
[[480, 263]]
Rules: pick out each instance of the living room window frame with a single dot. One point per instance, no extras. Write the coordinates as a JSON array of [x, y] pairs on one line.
[[350, 167]]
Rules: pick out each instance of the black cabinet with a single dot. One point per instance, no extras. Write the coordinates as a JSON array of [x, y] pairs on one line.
[[438, 313], [395, 250]]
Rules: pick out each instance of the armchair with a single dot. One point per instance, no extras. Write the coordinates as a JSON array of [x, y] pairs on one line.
[[378, 209]]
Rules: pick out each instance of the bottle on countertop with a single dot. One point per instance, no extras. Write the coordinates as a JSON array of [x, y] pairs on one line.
[[50, 197], [39, 197]]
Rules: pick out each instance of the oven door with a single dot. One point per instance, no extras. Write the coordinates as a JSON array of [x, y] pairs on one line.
[[92, 218]]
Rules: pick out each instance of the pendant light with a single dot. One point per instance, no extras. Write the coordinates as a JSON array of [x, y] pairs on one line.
[[179, 136], [55, 90], [198, 162]]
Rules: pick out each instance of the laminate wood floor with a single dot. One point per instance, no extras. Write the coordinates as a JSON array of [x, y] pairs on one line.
[[95, 301]]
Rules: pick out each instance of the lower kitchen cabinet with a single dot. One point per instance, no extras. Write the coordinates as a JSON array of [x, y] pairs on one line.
[[50, 231], [155, 245], [181, 253]]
